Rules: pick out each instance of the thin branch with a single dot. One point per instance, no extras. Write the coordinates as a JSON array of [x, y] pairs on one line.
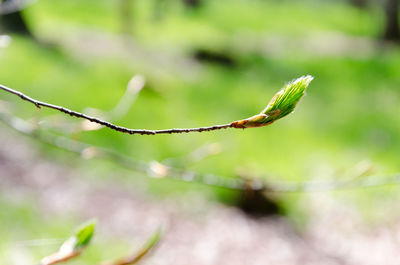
[[40, 104], [161, 171], [135, 258], [153, 169], [282, 104], [135, 85]]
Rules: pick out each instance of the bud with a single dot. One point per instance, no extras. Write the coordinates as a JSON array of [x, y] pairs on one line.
[[282, 104], [73, 246]]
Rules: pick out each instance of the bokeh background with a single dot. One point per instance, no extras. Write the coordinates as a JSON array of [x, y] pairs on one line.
[[159, 64]]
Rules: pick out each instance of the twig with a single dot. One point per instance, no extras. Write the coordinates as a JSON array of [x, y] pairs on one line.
[[135, 258], [135, 85], [154, 169], [373, 181], [282, 104], [40, 104], [158, 170]]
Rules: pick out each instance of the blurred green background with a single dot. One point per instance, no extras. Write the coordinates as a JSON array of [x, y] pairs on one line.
[[205, 63]]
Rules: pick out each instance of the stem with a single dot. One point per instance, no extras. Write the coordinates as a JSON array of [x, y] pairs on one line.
[[112, 126], [127, 162], [239, 184]]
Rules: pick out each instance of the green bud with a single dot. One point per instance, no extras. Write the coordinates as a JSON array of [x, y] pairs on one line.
[[287, 98], [73, 246], [282, 104], [84, 234]]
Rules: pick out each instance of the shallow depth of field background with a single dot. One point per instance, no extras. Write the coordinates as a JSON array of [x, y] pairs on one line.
[[209, 64]]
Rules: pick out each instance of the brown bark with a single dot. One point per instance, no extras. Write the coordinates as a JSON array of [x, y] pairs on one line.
[[392, 30], [13, 22]]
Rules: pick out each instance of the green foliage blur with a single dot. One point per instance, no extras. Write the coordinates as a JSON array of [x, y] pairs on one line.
[[85, 53]]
